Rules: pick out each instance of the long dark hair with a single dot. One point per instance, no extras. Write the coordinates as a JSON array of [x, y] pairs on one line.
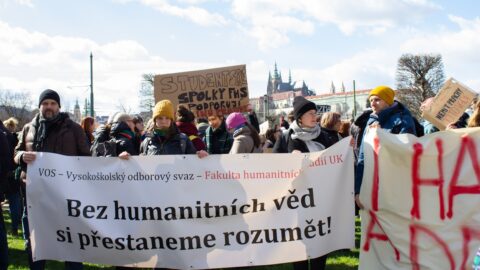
[[254, 134]]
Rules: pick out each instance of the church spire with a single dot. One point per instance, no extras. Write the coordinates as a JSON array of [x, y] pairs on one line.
[[289, 76], [332, 88], [275, 71]]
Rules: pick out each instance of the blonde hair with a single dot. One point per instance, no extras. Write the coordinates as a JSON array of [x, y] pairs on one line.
[[474, 120], [11, 123], [329, 119]]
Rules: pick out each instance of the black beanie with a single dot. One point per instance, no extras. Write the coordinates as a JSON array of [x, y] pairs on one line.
[[184, 115], [49, 94], [301, 106]]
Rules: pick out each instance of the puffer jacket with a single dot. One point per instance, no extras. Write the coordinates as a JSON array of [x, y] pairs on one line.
[[395, 119], [176, 144]]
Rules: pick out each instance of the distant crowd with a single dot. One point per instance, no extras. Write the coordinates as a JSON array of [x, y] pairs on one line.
[[176, 131]]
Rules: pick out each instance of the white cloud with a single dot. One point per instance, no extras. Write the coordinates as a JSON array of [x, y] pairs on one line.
[[272, 21], [193, 13], [459, 49], [35, 61], [27, 3]]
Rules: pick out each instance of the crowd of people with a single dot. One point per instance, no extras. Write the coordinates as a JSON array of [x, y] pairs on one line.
[[176, 131]]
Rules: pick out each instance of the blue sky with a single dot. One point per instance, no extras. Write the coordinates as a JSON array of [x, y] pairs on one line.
[[46, 44]]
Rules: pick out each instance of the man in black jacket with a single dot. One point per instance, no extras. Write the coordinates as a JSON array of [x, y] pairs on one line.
[[50, 131]]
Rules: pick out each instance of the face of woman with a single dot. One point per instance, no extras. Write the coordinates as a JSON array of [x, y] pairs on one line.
[[130, 124], [308, 119], [163, 122]]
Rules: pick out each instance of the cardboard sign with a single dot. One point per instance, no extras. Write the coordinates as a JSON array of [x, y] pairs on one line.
[[217, 91], [449, 104]]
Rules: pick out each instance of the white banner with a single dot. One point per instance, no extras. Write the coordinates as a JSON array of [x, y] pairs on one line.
[[422, 200], [183, 212]]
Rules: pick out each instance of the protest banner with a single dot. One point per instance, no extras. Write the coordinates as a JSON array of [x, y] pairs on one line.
[[206, 92], [422, 200], [219, 211], [449, 104]]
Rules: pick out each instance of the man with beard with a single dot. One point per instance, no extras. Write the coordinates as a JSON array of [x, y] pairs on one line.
[[50, 131]]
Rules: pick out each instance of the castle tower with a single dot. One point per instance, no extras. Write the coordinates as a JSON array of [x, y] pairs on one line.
[[77, 115]]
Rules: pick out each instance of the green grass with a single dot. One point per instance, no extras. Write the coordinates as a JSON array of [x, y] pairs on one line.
[[338, 260]]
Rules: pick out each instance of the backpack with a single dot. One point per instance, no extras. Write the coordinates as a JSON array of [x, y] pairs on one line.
[[104, 149]]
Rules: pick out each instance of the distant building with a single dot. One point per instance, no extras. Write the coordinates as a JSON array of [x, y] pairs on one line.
[[77, 114], [276, 84]]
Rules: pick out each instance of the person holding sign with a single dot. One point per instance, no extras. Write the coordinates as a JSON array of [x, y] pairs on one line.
[[388, 114], [54, 132], [166, 139], [305, 137], [217, 139], [245, 136]]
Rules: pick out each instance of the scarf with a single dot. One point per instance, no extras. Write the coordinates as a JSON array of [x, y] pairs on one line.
[[238, 130], [43, 127], [307, 135]]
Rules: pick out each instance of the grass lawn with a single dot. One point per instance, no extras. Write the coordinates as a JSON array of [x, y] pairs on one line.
[[339, 260]]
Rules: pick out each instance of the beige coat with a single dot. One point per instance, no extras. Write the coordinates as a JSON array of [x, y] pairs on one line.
[[243, 142]]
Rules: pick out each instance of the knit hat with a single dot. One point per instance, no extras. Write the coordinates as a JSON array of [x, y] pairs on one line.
[[235, 119], [164, 108], [49, 94], [184, 115], [202, 128], [301, 106], [384, 92]]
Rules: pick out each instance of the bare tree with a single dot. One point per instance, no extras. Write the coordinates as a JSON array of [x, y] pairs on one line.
[[16, 104], [122, 107], [147, 100], [419, 77]]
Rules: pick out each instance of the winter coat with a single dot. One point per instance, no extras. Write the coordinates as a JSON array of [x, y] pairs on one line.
[[329, 137], [218, 141], [191, 131], [243, 141], [5, 157], [65, 137], [281, 145], [176, 144], [395, 119], [124, 138], [297, 144]]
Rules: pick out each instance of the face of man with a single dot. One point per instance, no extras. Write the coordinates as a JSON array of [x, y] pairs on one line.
[[214, 121], [377, 104], [49, 108]]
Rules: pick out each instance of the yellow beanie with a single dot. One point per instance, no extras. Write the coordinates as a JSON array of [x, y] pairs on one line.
[[164, 108], [384, 92]]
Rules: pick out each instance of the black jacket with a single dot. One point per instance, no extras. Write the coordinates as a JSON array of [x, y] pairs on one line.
[[124, 138], [175, 144]]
